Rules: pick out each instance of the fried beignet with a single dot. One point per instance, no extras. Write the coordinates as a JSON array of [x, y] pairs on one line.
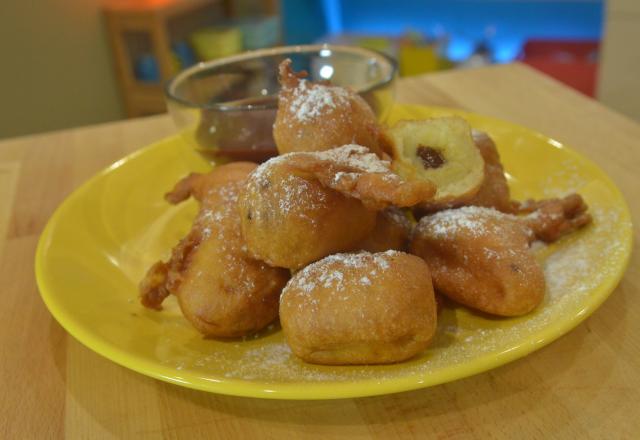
[[220, 289], [391, 232], [354, 171], [300, 207], [359, 309], [440, 150], [205, 188], [480, 257], [290, 219], [209, 190], [317, 117], [494, 191], [551, 219]]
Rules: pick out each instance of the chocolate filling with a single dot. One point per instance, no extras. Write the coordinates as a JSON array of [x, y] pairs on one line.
[[431, 158]]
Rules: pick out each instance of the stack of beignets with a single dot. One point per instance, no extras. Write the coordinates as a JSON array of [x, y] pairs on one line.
[[338, 215], [300, 207], [220, 289]]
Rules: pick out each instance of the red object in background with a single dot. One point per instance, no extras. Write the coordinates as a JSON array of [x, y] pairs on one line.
[[142, 5], [574, 63]]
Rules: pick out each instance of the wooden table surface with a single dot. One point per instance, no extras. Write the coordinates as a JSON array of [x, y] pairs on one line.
[[585, 385]]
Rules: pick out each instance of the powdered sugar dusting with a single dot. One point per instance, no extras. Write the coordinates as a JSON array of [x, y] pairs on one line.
[[570, 269], [468, 219], [313, 100], [297, 195], [332, 272], [574, 268], [261, 175], [458, 338], [354, 156], [398, 216]]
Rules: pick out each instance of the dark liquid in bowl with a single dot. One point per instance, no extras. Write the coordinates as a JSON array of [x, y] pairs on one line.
[[259, 154], [239, 134], [214, 97]]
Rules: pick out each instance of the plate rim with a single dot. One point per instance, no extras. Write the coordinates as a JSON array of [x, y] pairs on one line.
[[319, 390]]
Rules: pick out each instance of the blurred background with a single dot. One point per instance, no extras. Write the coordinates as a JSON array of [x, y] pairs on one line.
[[76, 62]]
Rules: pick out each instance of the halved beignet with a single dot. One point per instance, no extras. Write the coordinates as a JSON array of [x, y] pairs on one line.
[[440, 150]]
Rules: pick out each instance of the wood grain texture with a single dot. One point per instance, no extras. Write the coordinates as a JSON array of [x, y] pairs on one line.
[[8, 177], [585, 385]]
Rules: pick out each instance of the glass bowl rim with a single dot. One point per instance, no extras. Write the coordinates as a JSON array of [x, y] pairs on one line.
[[253, 54]]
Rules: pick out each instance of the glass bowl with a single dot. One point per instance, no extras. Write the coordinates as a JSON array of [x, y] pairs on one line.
[[227, 107]]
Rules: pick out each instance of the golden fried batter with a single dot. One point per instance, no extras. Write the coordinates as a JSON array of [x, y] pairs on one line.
[[289, 219], [317, 117], [494, 191], [359, 309], [300, 207], [355, 172], [205, 188], [221, 290], [480, 257], [551, 219], [391, 232]]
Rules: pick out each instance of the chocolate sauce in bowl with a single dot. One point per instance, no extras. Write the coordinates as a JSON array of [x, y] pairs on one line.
[[242, 134]]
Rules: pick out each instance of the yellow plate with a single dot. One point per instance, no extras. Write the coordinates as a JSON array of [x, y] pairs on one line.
[[101, 240]]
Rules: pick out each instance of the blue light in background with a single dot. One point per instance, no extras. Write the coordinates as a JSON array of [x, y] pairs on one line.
[[304, 21], [506, 50], [333, 15], [465, 21], [459, 49]]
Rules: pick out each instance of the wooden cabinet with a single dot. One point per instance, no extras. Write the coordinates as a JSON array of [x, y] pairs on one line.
[[149, 26]]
